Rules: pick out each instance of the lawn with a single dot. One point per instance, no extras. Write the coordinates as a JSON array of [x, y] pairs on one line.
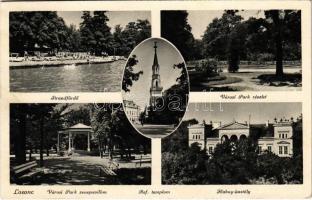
[[249, 78]]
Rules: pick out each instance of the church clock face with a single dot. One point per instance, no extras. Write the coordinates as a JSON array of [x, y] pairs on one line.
[[155, 88]]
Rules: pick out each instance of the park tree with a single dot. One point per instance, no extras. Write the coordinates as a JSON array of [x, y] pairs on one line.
[[87, 37], [126, 39], [77, 115], [112, 128], [101, 124], [28, 121], [129, 74], [258, 41], [284, 25], [129, 35], [74, 39], [18, 120], [118, 40], [126, 136], [276, 17], [178, 141], [95, 33], [143, 30], [42, 114], [176, 29], [187, 167], [216, 36], [236, 46], [38, 29]]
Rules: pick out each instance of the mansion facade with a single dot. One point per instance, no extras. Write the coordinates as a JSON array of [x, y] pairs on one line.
[[275, 137], [132, 110]]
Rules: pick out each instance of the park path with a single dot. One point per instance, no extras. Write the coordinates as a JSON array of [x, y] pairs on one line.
[[85, 170], [155, 130], [74, 171], [249, 82]]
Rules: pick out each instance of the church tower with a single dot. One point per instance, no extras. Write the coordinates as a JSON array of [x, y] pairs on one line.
[[156, 89]]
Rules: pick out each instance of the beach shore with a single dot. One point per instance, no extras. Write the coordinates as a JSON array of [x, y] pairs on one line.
[[48, 63]]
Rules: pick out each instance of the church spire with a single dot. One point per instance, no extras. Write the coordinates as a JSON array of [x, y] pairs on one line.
[[156, 89], [155, 63]]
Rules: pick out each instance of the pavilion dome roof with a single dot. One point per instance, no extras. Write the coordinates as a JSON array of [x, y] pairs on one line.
[[80, 126]]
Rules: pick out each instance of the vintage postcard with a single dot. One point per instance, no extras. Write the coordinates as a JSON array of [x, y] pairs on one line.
[[155, 100]]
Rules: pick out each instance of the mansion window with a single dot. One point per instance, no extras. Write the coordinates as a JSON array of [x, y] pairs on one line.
[[260, 149], [270, 148], [280, 150], [285, 149], [283, 134], [196, 137], [210, 150]]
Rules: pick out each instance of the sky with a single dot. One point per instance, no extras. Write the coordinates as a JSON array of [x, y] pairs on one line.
[[228, 112], [200, 19], [167, 57], [115, 17]]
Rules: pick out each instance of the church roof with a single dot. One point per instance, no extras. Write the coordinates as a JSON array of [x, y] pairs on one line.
[[233, 125], [155, 63]]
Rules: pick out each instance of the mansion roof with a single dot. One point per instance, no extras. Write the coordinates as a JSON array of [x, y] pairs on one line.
[[130, 104], [258, 130], [233, 125]]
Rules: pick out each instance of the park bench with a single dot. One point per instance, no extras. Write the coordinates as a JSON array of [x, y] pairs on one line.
[[109, 170], [27, 170], [106, 171], [143, 159]]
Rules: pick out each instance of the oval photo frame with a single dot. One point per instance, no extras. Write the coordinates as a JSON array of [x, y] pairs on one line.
[[155, 88]]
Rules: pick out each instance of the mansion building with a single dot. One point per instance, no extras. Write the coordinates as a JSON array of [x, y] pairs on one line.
[[275, 137], [132, 110]]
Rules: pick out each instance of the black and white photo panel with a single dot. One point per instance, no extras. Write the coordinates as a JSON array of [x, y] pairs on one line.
[[72, 51], [236, 143], [238, 50], [76, 144]]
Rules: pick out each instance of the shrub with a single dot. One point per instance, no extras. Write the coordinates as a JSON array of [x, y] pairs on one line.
[[208, 67]]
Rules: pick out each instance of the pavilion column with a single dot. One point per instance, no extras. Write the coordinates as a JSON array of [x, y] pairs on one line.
[[69, 142], [89, 141], [58, 143]]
